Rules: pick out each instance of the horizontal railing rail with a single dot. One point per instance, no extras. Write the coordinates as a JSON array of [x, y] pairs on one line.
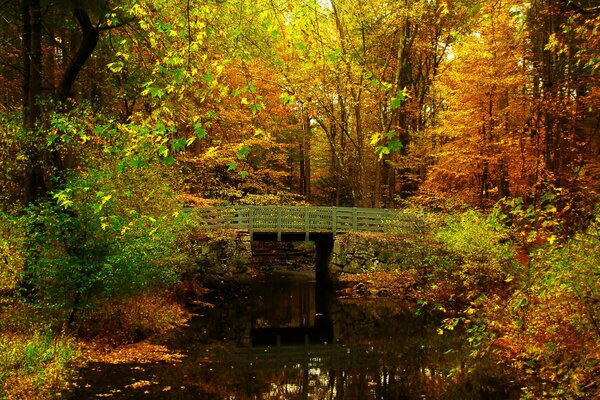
[[297, 219]]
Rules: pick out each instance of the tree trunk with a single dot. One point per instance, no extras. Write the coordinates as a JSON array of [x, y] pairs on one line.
[[34, 185], [33, 53], [26, 54], [90, 38], [307, 158]]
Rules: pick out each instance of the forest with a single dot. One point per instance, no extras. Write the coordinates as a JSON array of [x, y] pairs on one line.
[[116, 115]]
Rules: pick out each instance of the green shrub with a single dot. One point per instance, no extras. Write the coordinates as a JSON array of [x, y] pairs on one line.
[[105, 234], [556, 319], [414, 231], [11, 256], [35, 366], [479, 248]]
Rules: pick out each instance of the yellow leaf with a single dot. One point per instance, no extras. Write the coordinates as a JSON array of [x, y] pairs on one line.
[[375, 138]]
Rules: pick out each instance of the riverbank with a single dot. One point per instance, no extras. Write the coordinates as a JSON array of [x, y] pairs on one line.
[[263, 335], [531, 306], [532, 317]]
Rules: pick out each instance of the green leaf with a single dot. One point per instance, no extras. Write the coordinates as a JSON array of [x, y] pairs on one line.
[[244, 174], [199, 131], [178, 144], [394, 145], [243, 152], [163, 151], [255, 108], [286, 98], [156, 92], [208, 77], [381, 150], [168, 160], [51, 138], [548, 197], [397, 101], [334, 55], [232, 166], [115, 66]]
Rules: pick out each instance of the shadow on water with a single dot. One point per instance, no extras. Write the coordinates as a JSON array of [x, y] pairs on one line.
[[288, 338]]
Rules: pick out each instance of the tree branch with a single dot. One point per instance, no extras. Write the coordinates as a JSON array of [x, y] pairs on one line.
[[580, 10], [91, 35]]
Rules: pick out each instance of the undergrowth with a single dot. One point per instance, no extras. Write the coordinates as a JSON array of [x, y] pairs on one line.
[[35, 366]]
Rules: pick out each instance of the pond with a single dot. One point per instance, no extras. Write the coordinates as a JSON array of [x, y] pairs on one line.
[[285, 337]]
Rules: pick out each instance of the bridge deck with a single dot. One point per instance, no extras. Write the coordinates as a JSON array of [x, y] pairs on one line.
[[296, 219]]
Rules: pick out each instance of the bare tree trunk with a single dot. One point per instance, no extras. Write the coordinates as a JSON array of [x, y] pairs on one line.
[[26, 55], [33, 53], [32, 90], [307, 158]]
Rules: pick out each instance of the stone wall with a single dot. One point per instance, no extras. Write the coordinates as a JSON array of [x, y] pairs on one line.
[[222, 256], [366, 252]]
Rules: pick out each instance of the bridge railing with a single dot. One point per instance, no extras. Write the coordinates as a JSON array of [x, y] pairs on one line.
[[296, 219]]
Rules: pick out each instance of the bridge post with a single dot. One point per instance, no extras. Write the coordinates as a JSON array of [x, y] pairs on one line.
[[251, 222], [306, 224], [334, 222], [279, 224]]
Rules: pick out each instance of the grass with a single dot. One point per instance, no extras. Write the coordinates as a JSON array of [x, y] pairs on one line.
[[35, 366]]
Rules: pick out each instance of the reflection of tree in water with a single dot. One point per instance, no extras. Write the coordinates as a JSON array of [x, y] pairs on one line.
[[388, 353], [322, 349]]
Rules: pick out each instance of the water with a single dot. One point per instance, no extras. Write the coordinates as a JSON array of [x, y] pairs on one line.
[[288, 338]]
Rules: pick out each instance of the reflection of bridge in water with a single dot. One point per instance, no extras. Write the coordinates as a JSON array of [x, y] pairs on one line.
[[310, 356]]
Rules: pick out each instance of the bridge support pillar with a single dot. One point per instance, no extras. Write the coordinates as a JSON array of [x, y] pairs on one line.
[[324, 250]]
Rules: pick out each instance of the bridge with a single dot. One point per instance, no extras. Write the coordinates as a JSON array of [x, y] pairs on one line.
[[295, 222], [320, 225]]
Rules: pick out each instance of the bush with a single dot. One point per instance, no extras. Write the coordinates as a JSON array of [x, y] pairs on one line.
[[11, 256], [416, 229], [106, 234], [131, 319], [480, 250], [34, 367], [555, 321]]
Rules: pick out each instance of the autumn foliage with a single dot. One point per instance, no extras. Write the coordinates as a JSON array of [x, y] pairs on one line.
[[114, 113]]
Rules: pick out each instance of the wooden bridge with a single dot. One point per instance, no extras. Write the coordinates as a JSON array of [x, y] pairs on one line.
[[297, 220]]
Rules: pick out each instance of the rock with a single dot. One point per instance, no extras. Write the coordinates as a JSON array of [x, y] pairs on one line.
[[224, 257], [357, 253]]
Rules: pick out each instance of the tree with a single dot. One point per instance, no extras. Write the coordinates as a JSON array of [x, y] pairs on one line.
[[484, 88], [52, 57]]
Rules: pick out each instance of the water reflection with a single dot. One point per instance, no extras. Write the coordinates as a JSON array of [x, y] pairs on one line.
[[288, 339], [288, 309]]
